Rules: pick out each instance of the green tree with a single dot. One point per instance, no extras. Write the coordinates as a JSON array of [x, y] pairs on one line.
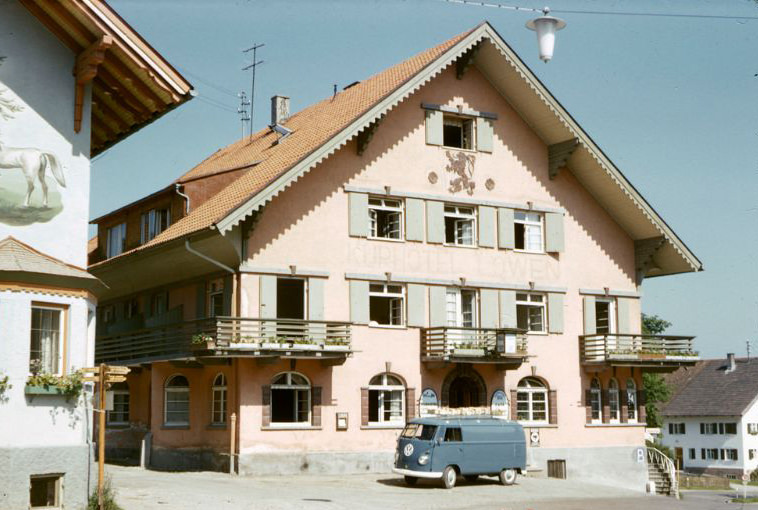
[[656, 390]]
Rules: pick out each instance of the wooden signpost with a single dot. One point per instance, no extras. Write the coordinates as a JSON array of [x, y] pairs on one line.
[[103, 376]]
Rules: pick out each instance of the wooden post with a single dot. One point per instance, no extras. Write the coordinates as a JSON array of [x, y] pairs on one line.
[[101, 438], [232, 442]]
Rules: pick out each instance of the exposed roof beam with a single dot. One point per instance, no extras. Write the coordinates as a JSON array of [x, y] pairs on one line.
[[85, 71], [52, 25], [644, 252], [126, 97], [558, 155]]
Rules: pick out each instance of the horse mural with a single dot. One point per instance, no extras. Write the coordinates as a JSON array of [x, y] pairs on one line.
[[34, 164]]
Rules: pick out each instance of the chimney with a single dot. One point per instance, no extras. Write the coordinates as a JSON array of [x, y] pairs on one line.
[[731, 363], [280, 109]]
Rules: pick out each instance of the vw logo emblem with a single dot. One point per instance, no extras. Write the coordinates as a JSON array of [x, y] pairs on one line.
[[408, 450]]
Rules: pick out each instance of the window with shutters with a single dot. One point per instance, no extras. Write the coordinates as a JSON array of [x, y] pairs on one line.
[[219, 400], [596, 401], [386, 304], [385, 218], [709, 429], [176, 402], [631, 400], [729, 454], [693, 454], [460, 308], [215, 302], [458, 132], [115, 241], [153, 223], [159, 303], [677, 429], [290, 399], [386, 400], [46, 338], [752, 429], [131, 308], [751, 454], [108, 314], [614, 401], [529, 231], [460, 225], [119, 415], [45, 491], [730, 428], [605, 316], [531, 311], [531, 401], [709, 453]]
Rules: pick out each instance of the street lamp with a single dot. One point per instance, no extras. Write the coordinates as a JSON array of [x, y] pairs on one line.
[[546, 27]]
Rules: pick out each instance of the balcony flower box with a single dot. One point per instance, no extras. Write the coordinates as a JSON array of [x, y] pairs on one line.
[[468, 351], [623, 356], [336, 347], [271, 345], [202, 342]]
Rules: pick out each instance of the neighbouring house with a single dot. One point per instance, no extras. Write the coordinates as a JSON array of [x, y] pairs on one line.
[[441, 237], [74, 79], [711, 422]]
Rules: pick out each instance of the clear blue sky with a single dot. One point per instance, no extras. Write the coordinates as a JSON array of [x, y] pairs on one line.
[[672, 101]]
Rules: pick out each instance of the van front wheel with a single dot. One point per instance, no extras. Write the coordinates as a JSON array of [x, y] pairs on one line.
[[508, 476], [410, 481], [449, 476]]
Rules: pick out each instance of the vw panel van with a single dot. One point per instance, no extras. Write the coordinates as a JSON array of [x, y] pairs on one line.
[[446, 447]]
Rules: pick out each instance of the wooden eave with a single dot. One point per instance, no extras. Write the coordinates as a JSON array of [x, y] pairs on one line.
[[132, 85]]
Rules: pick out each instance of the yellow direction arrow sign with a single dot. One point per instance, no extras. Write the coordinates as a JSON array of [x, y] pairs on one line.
[[91, 378], [117, 370], [116, 378], [89, 369]]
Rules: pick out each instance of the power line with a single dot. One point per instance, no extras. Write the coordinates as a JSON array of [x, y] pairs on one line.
[[215, 86]]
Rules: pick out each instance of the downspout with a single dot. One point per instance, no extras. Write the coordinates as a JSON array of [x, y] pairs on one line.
[[185, 196], [222, 266]]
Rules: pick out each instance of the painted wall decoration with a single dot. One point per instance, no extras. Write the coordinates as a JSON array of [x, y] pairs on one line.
[[428, 402], [499, 404], [461, 165], [22, 171]]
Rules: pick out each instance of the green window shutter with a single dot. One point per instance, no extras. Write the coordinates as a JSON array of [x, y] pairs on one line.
[[437, 306], [228, 287], [416, 305], [553, 232], [434, 127], [486, 226], [483, 134], [508, 309], [623, 313], [268, 296], [316, 299], [435, 222], [590, 325], [200, 311], [555, 312], [489, 308], [414, 219], [505, 230], [358, 219], [359, 301]]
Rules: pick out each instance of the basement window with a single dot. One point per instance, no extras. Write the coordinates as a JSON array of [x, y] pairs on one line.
[[386, 218], [45, 491], [458, 132]]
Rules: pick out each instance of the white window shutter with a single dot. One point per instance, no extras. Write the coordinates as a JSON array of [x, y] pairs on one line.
[[555, 312], [554, 232], [268, 296], [316, 299], [414, 219], [416, 305], [434, 127], [624, 315], [590, 322], [483, 134], [435, 222], [359, 302], [486, 226], [508, 309], [437, 311], [505, 230], [489, 308], [358, 215]]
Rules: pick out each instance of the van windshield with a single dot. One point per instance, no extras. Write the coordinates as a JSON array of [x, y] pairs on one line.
[[417, 431]]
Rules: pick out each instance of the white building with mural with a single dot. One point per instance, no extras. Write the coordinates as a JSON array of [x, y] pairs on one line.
[[52, 121]]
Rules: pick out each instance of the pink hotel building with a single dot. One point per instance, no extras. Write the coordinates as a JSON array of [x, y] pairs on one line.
[[440, 237]]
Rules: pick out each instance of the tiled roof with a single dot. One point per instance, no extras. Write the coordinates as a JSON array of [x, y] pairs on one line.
[[311, 128], [16, 256], [711, 391]]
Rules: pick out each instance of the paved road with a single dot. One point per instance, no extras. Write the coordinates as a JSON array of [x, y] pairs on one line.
[[151, 490]]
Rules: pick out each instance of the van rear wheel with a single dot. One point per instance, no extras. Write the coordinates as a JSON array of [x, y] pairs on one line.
[[449, 476], [410, 481], [508, 476]]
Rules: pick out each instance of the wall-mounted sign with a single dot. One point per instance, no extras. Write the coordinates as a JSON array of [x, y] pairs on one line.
[[499, 404], [428, 403]]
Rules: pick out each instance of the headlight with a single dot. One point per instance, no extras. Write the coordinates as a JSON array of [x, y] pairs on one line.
[[423, 459]]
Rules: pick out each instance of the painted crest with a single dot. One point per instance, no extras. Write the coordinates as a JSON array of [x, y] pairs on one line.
[[461, 165]]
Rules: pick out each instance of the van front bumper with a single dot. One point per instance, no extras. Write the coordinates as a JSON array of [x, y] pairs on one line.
[[417, 474]]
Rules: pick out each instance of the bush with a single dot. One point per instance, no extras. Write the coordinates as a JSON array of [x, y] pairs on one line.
[[109, 498]]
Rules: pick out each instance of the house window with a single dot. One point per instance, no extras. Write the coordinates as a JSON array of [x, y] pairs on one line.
[[461, 308], [677, 429], [709, 453], [693, 454], [108, 314], [218, 406], [460, 225], [604, 316], [290, 399], [386, 304], [458, 132], [120, 413], [631, 401], [531, 401], [115, 242], [752, 428], [729, 454], [159, 303], [596, 401], [751, 454], [153, 223], [709, 429], [47, 325], [530, 312], [45, 491], [730, 428], [614, 401], [385, 218], [216, 298], [176, 402], [386, 400], [528, 231], [131, 308]]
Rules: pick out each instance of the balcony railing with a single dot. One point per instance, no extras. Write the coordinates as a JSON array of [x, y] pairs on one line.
[[639, 350], [227, 336], [473, 345]]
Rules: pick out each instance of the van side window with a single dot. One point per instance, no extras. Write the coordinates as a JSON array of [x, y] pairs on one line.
[[453, 434]]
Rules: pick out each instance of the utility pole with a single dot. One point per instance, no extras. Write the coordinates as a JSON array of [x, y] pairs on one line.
[[242, 110], [256, 63]]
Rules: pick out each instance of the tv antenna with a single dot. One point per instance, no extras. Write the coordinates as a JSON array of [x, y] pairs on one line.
[[253, 65], [242, 110]]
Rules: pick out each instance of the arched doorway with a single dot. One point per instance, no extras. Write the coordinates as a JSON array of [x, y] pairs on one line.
[[464, 387]]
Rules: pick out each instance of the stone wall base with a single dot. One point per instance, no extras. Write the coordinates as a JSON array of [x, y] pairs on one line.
[[321, 463], [735, 473], [188, 459]]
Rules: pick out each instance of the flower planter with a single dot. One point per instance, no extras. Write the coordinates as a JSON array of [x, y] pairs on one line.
[[203, 346], [336, 348], [43, 390], [307, 347], [468, 352], [622, 356], [272, 345], [652, 355]]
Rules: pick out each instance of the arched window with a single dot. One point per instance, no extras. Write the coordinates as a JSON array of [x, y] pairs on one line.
[[631, 401], [176, 401], [596, 401], [290, 399], [386, 400], [531, 401], [218, 407], [120, 413], [614, 401]]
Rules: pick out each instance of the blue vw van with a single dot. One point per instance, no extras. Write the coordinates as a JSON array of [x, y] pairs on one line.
[[450, 446]]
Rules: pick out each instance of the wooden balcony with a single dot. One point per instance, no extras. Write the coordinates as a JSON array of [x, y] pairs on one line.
[[662, 353], [506, 348], [221, 337]]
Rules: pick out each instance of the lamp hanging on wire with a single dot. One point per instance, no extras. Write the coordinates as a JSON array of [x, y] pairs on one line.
[[546, 26]]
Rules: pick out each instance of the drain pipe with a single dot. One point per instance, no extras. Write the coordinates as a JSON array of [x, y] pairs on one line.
[[186, 197], [222, 266]]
